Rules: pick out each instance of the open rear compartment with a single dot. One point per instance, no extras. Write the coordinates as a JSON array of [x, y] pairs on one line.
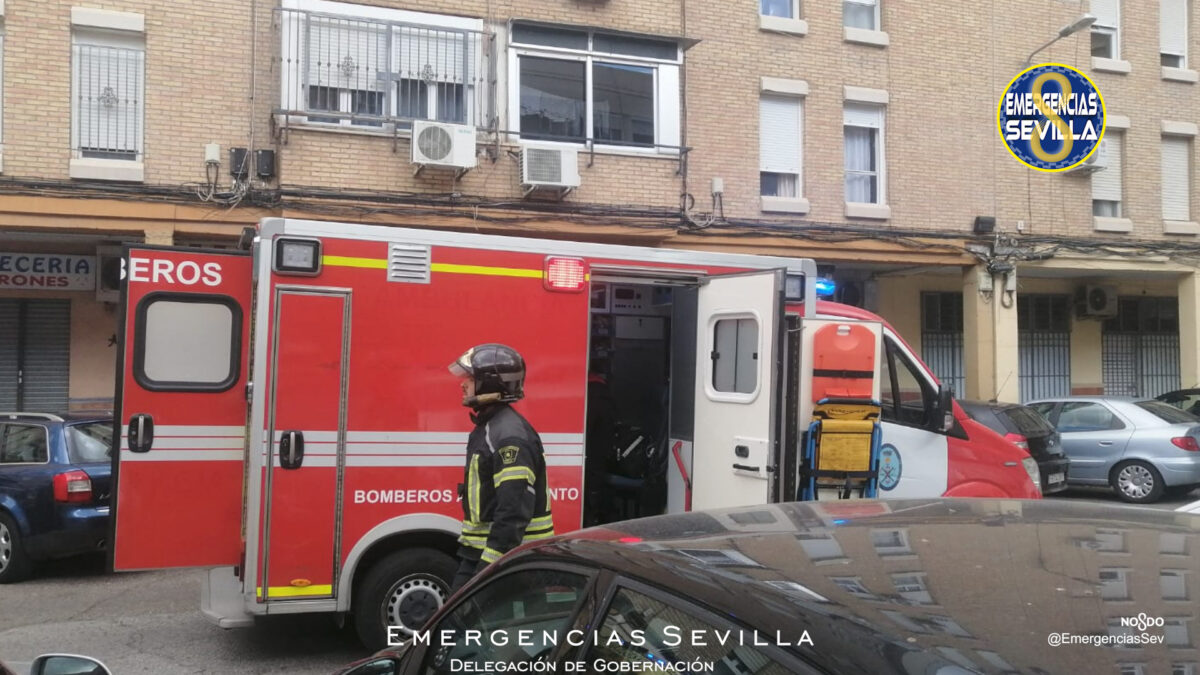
[[641, 383]]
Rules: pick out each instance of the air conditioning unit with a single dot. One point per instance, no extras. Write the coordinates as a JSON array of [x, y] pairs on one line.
[[108, 273], [1092, 164], [1097, 301], [549, 166], [440, 144]]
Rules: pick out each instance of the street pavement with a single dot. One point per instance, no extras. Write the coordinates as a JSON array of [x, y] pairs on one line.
[[150, 622]]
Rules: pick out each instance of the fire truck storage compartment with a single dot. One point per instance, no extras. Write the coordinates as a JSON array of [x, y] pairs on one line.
[[639, 397]]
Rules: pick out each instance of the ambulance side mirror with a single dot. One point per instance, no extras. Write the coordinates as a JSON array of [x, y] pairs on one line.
[[945, 407]]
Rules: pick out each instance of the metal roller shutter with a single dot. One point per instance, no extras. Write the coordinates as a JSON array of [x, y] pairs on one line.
[[8, 354], [47, 357]]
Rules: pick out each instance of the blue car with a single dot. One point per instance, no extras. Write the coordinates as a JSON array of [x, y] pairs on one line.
[[54, 488]]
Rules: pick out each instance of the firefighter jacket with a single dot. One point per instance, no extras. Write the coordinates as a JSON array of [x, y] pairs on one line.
[[504, 493]]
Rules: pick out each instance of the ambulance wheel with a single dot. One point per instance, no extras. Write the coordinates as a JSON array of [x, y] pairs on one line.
[[1137, 482], [403, 589], [14, 563]]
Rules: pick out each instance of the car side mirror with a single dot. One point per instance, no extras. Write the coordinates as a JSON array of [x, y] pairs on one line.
[[67, 664], [945, 407]]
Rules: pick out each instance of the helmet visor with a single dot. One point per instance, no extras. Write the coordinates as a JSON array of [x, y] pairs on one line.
[[462, 365]]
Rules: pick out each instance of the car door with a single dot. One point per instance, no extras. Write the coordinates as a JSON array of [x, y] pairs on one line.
[[549, 601], [1093, 437]]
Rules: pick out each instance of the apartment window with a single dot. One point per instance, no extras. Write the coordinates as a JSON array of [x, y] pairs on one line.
[[578, 86], [1173, 33], [890, 542], [787, 9], [1114, 584], [911, 586], [863, 130], [779, 146], [1106, 31], [1171, 543], [861, 14], [854, 586], [370, 67], [1176, 178], [1174, 584], [107, 94], [1177, 631], [1183, 669], [1106, 183]]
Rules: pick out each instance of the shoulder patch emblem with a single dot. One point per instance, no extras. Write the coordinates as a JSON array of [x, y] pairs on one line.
[[508, 454]]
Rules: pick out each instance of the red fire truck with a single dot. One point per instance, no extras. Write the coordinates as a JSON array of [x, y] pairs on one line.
[[286, 416]]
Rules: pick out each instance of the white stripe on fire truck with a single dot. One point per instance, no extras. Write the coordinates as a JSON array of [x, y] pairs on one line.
[[181, 455], [192, 443]]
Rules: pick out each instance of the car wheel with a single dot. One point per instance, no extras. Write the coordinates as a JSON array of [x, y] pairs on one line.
[[14, 562], [403, 589], [1137, 482]]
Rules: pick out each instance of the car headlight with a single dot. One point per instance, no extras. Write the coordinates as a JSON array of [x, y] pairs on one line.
[[1035, 474]]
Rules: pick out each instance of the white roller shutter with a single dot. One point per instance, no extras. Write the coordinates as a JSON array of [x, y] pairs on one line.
[[1173, 18], [856, 115], [1107, 12], [47, 355], [779, 144], [1106, 184], [1176, 181], [8, 354]]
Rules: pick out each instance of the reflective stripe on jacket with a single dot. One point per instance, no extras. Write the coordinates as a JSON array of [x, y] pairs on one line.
[[504, 493]]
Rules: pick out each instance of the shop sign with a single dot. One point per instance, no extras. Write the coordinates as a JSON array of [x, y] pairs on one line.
[[47, 272]]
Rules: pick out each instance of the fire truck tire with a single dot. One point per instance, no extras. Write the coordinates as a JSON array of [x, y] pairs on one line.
[[14, 563], [402, 589]]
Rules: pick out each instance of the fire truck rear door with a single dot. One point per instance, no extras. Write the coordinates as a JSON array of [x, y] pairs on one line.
[[181, 409], [738, 385]]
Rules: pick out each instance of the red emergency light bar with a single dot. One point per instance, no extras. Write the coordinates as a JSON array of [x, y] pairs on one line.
[[565, 274]]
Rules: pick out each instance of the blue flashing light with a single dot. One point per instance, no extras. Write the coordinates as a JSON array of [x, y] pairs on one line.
[[839, 521], [826, 287]]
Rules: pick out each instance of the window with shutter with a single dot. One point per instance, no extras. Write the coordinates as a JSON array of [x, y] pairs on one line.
[[1106, 30], [107, 83], [779, 145], [1173, 33], [1106, 184], [1176, 178], [863, 130]]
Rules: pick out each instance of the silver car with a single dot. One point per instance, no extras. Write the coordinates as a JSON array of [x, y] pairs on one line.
[[1143, 449]]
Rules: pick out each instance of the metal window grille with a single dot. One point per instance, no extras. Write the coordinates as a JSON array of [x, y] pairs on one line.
[[371, 73], [1044, 346], [107, 109], [1140, 348], [942, 338]]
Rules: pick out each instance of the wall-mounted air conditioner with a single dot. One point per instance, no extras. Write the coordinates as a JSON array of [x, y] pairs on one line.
[[441, 144], [1097, 301], [1095, 162], [549, 166]]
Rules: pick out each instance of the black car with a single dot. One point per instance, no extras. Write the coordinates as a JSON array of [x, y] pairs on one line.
[[1031, 432], [919, 586]]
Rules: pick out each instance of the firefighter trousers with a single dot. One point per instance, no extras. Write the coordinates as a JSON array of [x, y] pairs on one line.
[[468, 564]]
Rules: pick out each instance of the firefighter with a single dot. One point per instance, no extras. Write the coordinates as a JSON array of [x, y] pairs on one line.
[[504, 493]]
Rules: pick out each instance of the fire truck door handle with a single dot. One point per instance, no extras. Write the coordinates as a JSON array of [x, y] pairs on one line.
[[141, 432], [743, 467], [742, 451], [291, 449]]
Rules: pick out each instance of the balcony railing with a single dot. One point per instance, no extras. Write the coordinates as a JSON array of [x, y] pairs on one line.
[[107, 102], [368, 73]]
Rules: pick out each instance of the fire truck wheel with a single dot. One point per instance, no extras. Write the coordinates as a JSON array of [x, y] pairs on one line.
[[14, 564], [403, 589]]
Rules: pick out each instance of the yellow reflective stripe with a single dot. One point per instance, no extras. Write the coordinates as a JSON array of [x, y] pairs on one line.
[[483, 270], [296, 591], [541, 521], [476, 528], [344, 261], [490, 555], [537, 536], [473, 488], [515, 473], [486, 271]]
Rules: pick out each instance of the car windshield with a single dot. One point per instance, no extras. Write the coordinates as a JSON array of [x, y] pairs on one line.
[[1167, 413], [1028, 421], [89, 442]]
